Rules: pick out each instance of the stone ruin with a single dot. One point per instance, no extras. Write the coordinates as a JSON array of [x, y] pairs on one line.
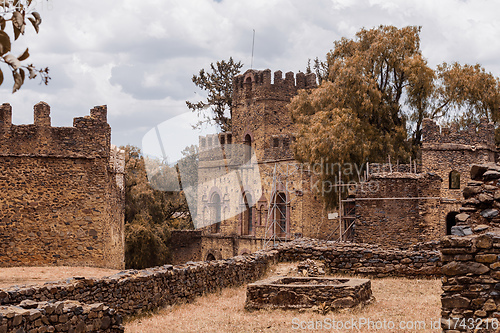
[[281, 292], [481, 205], [306, 287], [310, 267]]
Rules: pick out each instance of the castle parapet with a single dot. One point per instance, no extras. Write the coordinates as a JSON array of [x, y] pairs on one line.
[[481, 136], [214, 147], [255, 83], [88, 138]]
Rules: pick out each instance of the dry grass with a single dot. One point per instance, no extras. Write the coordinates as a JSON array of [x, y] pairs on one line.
[[398, 300], [37, 275]]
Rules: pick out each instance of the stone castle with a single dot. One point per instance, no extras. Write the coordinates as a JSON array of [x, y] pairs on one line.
[[405, 204], [61, 192]]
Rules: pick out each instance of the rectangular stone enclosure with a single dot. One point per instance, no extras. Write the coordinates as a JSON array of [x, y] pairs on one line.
[[305, 292]]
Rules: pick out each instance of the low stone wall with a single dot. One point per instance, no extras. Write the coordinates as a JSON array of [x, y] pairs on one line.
[[365, 259], [65, 316], [471, 283], [131, 292], [280, 292]]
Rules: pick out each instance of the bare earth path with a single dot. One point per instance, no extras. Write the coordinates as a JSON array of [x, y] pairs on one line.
[[409, 305], [38, 275]]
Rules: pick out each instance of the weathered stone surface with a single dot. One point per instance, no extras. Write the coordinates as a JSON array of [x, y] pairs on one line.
[[486, 258], [70, 178], [455, 301], [489, 213], [485, 198], [489, 305], [481, 227], [76, 316], [477, 171], [491, 175], [307, 292], [484, 241], [462, 217], [462, 268], [461, 230]]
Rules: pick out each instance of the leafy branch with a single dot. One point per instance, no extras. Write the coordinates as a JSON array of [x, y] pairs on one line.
[[17, 12]]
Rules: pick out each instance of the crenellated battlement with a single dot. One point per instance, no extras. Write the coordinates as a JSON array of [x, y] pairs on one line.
[[210, 141], [481, 136], [88, 138], [255, 83]]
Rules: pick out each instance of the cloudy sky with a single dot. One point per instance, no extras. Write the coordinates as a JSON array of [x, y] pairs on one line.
[[138, 57]]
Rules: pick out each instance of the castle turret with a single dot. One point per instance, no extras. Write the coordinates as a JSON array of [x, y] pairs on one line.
[[260, 115]]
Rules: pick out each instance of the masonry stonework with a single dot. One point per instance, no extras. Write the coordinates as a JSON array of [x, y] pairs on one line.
[[419, 204], [61, 192]]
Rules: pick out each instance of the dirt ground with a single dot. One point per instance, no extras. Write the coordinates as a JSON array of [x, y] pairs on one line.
[[38, 275]]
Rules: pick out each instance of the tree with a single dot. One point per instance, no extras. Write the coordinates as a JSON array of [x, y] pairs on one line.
[[468, 93], [361, 101], [150, 215], [219, 86], [17, 12], [375, 92]]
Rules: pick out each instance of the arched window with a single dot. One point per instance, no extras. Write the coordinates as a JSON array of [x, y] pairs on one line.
[[247, 215], [262, 215], [215, 213], [248, 147], [454, 180], [450, 221], [280, 214]]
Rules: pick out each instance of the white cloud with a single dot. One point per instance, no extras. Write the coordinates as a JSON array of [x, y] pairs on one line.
[[138, 56]]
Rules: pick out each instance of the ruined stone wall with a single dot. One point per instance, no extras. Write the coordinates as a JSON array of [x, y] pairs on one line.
[[193, 245], [185, 245], [61, 316], [399, 209], [131, 292], [61, 192], [481, 199], [366, 259], [471, 283]]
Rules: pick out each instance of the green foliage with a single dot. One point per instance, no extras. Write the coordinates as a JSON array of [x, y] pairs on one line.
[[149, 215], [219, 87], [16, 12], [375, 90]]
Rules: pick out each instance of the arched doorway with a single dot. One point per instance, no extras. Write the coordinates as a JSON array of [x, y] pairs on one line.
[[450, 221], [210, 257]]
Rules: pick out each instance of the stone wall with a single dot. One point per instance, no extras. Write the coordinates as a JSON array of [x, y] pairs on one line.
[[62, 316], [399, 209], [471, 283], [61, 192], [481, 204], [131, 291], [365, 259], [193, 245]]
